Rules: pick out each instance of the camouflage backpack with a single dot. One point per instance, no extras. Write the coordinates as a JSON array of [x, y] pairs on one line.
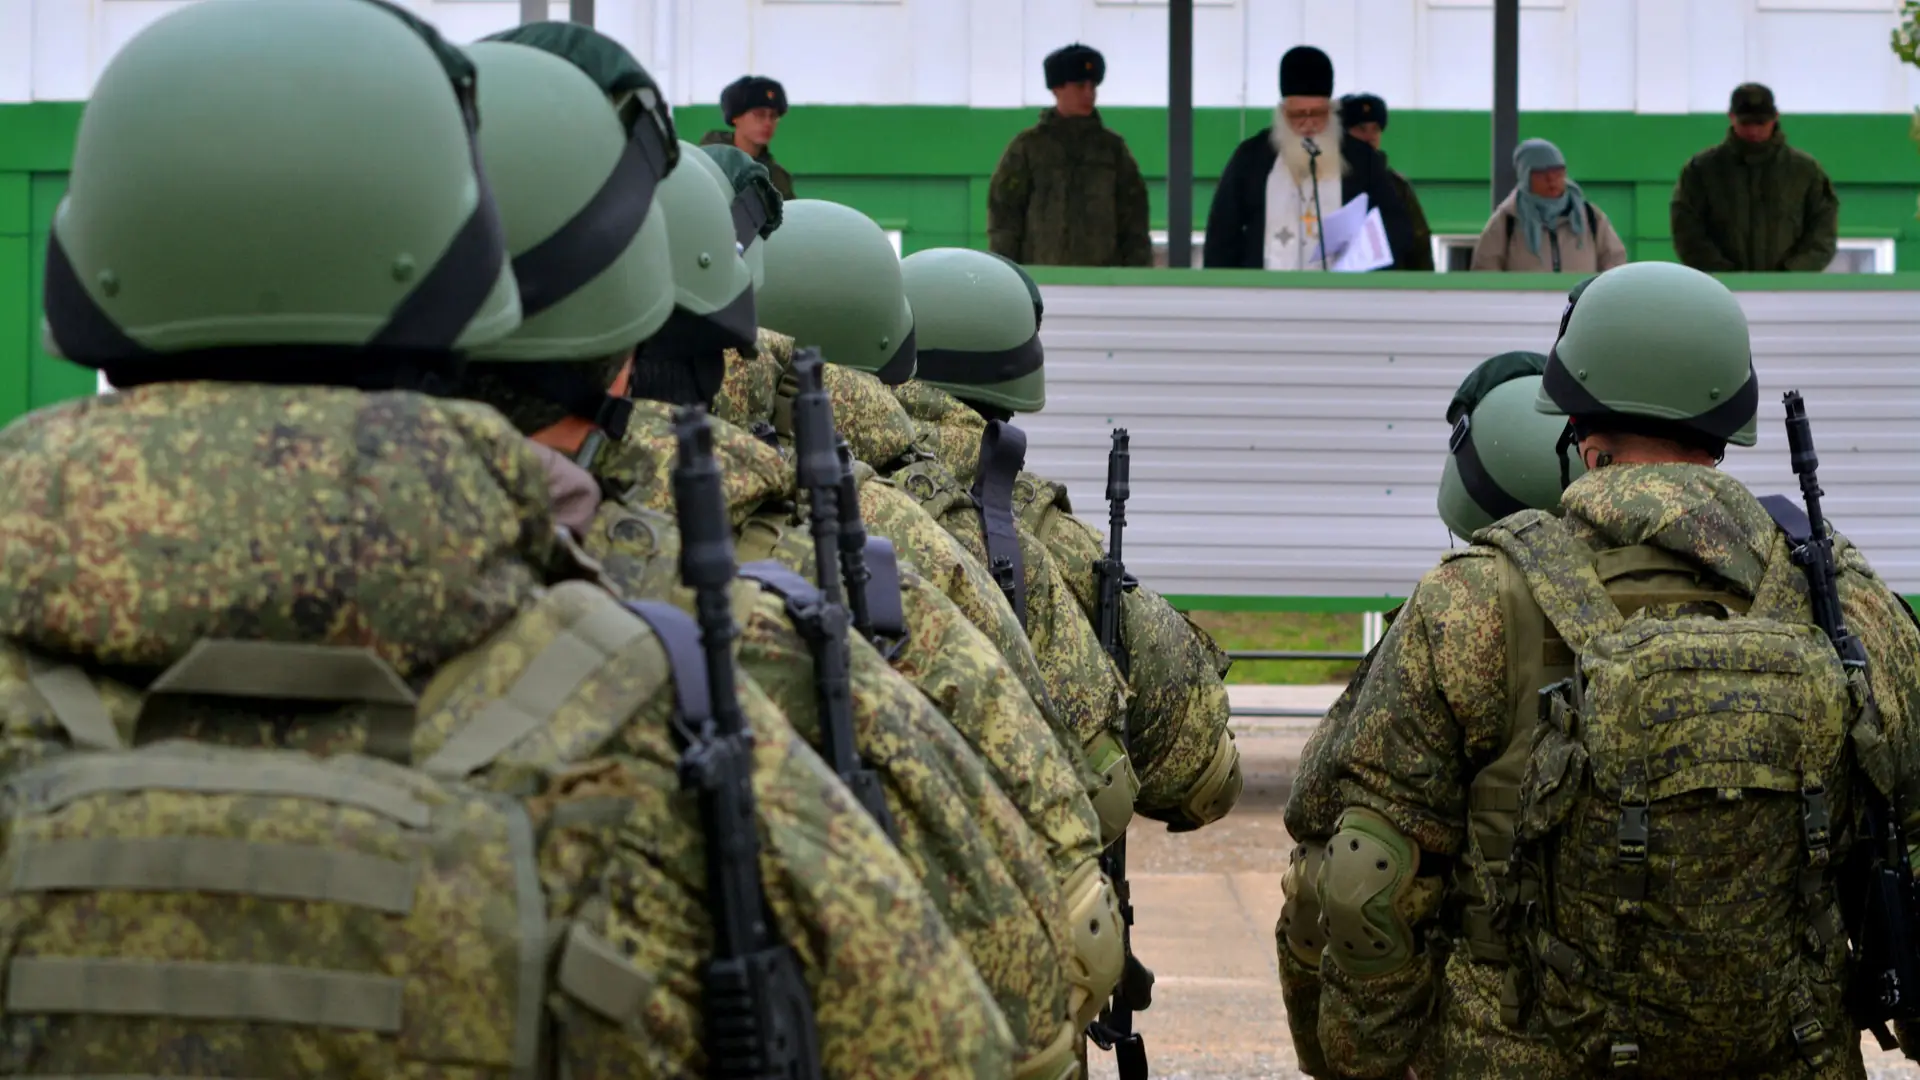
[[226, 909], [1653, 852]]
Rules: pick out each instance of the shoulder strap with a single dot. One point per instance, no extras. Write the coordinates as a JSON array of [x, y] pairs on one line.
[[885, 607], [799, 593], [1560, 575], [1003, 453], [1790, 516], [596, 628], [680, 636]]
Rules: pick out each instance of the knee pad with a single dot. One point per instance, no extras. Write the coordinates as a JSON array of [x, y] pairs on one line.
[[1299, 929], [1218, 787], [1113, 802], [1057, 1062], [1371, 895], [1099, 949]]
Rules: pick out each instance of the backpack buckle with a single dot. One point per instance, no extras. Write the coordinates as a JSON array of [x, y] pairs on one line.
[[1631, 839], [1624, 1055], [1808, 1032], [1816, 823], [1460, 429]]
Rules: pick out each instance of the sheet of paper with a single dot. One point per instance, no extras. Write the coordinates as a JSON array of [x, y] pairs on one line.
[[1341, 227], [1367, 251]]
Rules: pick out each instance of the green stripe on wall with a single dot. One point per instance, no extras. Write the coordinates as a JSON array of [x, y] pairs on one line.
[[924, 170]]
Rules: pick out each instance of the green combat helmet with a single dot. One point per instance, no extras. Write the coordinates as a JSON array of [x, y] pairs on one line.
[[576, 194], [248, 210], [756, 202], [712, 284], [1658, 349], [978, 328], [834, 283], [1501, 457]]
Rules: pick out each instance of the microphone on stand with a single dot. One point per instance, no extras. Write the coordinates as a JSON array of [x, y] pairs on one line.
[[1319, 220]]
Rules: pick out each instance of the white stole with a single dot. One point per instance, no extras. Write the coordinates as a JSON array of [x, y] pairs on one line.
[[1292, 227]]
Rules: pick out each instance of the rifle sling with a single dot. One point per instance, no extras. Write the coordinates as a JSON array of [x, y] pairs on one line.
[[885, 607], [1003, 453]]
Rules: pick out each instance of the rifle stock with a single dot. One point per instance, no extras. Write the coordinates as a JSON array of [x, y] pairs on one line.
[[759, 1019]]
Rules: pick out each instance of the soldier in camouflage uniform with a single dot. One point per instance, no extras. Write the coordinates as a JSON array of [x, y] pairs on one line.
[[1502, 458], [981, 363], [1413, 929], [864, 320], [988, 872], [268, 563], [1067, 191]]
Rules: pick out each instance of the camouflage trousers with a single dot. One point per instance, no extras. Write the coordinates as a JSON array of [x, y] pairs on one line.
[[1470, 1043]]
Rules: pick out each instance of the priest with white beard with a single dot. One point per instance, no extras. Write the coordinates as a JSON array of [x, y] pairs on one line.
[[1279, 183]]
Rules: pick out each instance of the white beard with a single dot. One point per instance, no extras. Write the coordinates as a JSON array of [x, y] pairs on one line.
[[1292, 148]]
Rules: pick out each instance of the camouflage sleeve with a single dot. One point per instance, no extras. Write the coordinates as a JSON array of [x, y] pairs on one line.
[[1007, 195], [1178, 710], [1885, 627], [1136, 239], [1431, 707], [894, 993], [1819, 221], [938, 557], [987, 872], [954, 666]]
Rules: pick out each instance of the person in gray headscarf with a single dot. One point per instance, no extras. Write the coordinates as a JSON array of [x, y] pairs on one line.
[[1547, 224]]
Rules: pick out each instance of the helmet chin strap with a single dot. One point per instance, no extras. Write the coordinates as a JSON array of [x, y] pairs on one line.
[[1567, 439]]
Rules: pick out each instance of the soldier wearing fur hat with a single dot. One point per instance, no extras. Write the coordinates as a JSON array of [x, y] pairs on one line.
[[1067, 191], [1279, 183], [752, 106]]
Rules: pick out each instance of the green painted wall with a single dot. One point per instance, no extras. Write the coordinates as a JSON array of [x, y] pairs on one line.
[[924, 170]]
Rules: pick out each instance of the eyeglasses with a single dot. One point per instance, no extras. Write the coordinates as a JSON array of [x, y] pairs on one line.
[[1309, 114]]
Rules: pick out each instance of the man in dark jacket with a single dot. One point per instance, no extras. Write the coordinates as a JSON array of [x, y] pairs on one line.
[[1067, 192], [1274, 190], [1365, 118], [753, 106], [1753, 203]]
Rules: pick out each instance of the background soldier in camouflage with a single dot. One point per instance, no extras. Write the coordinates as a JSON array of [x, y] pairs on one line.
[[1067, 192], [1413, 769], [987, 872], [239, 535], [978, 320]]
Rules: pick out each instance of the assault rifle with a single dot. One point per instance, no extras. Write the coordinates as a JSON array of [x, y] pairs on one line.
[[1114, 1029], [817, 468], [759, 1019], [1878, 895]]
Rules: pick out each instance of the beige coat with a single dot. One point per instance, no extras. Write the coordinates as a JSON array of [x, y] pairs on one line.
[[1600, 250]]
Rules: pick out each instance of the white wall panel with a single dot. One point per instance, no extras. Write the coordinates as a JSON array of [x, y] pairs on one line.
[[1288, 442], [1650, 55]]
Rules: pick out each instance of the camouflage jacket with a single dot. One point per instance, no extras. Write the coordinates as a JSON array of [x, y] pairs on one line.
[[1045, 776], [1432, 711], [139, 524], [1067, 192], [1177, 710], [986, 870]]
